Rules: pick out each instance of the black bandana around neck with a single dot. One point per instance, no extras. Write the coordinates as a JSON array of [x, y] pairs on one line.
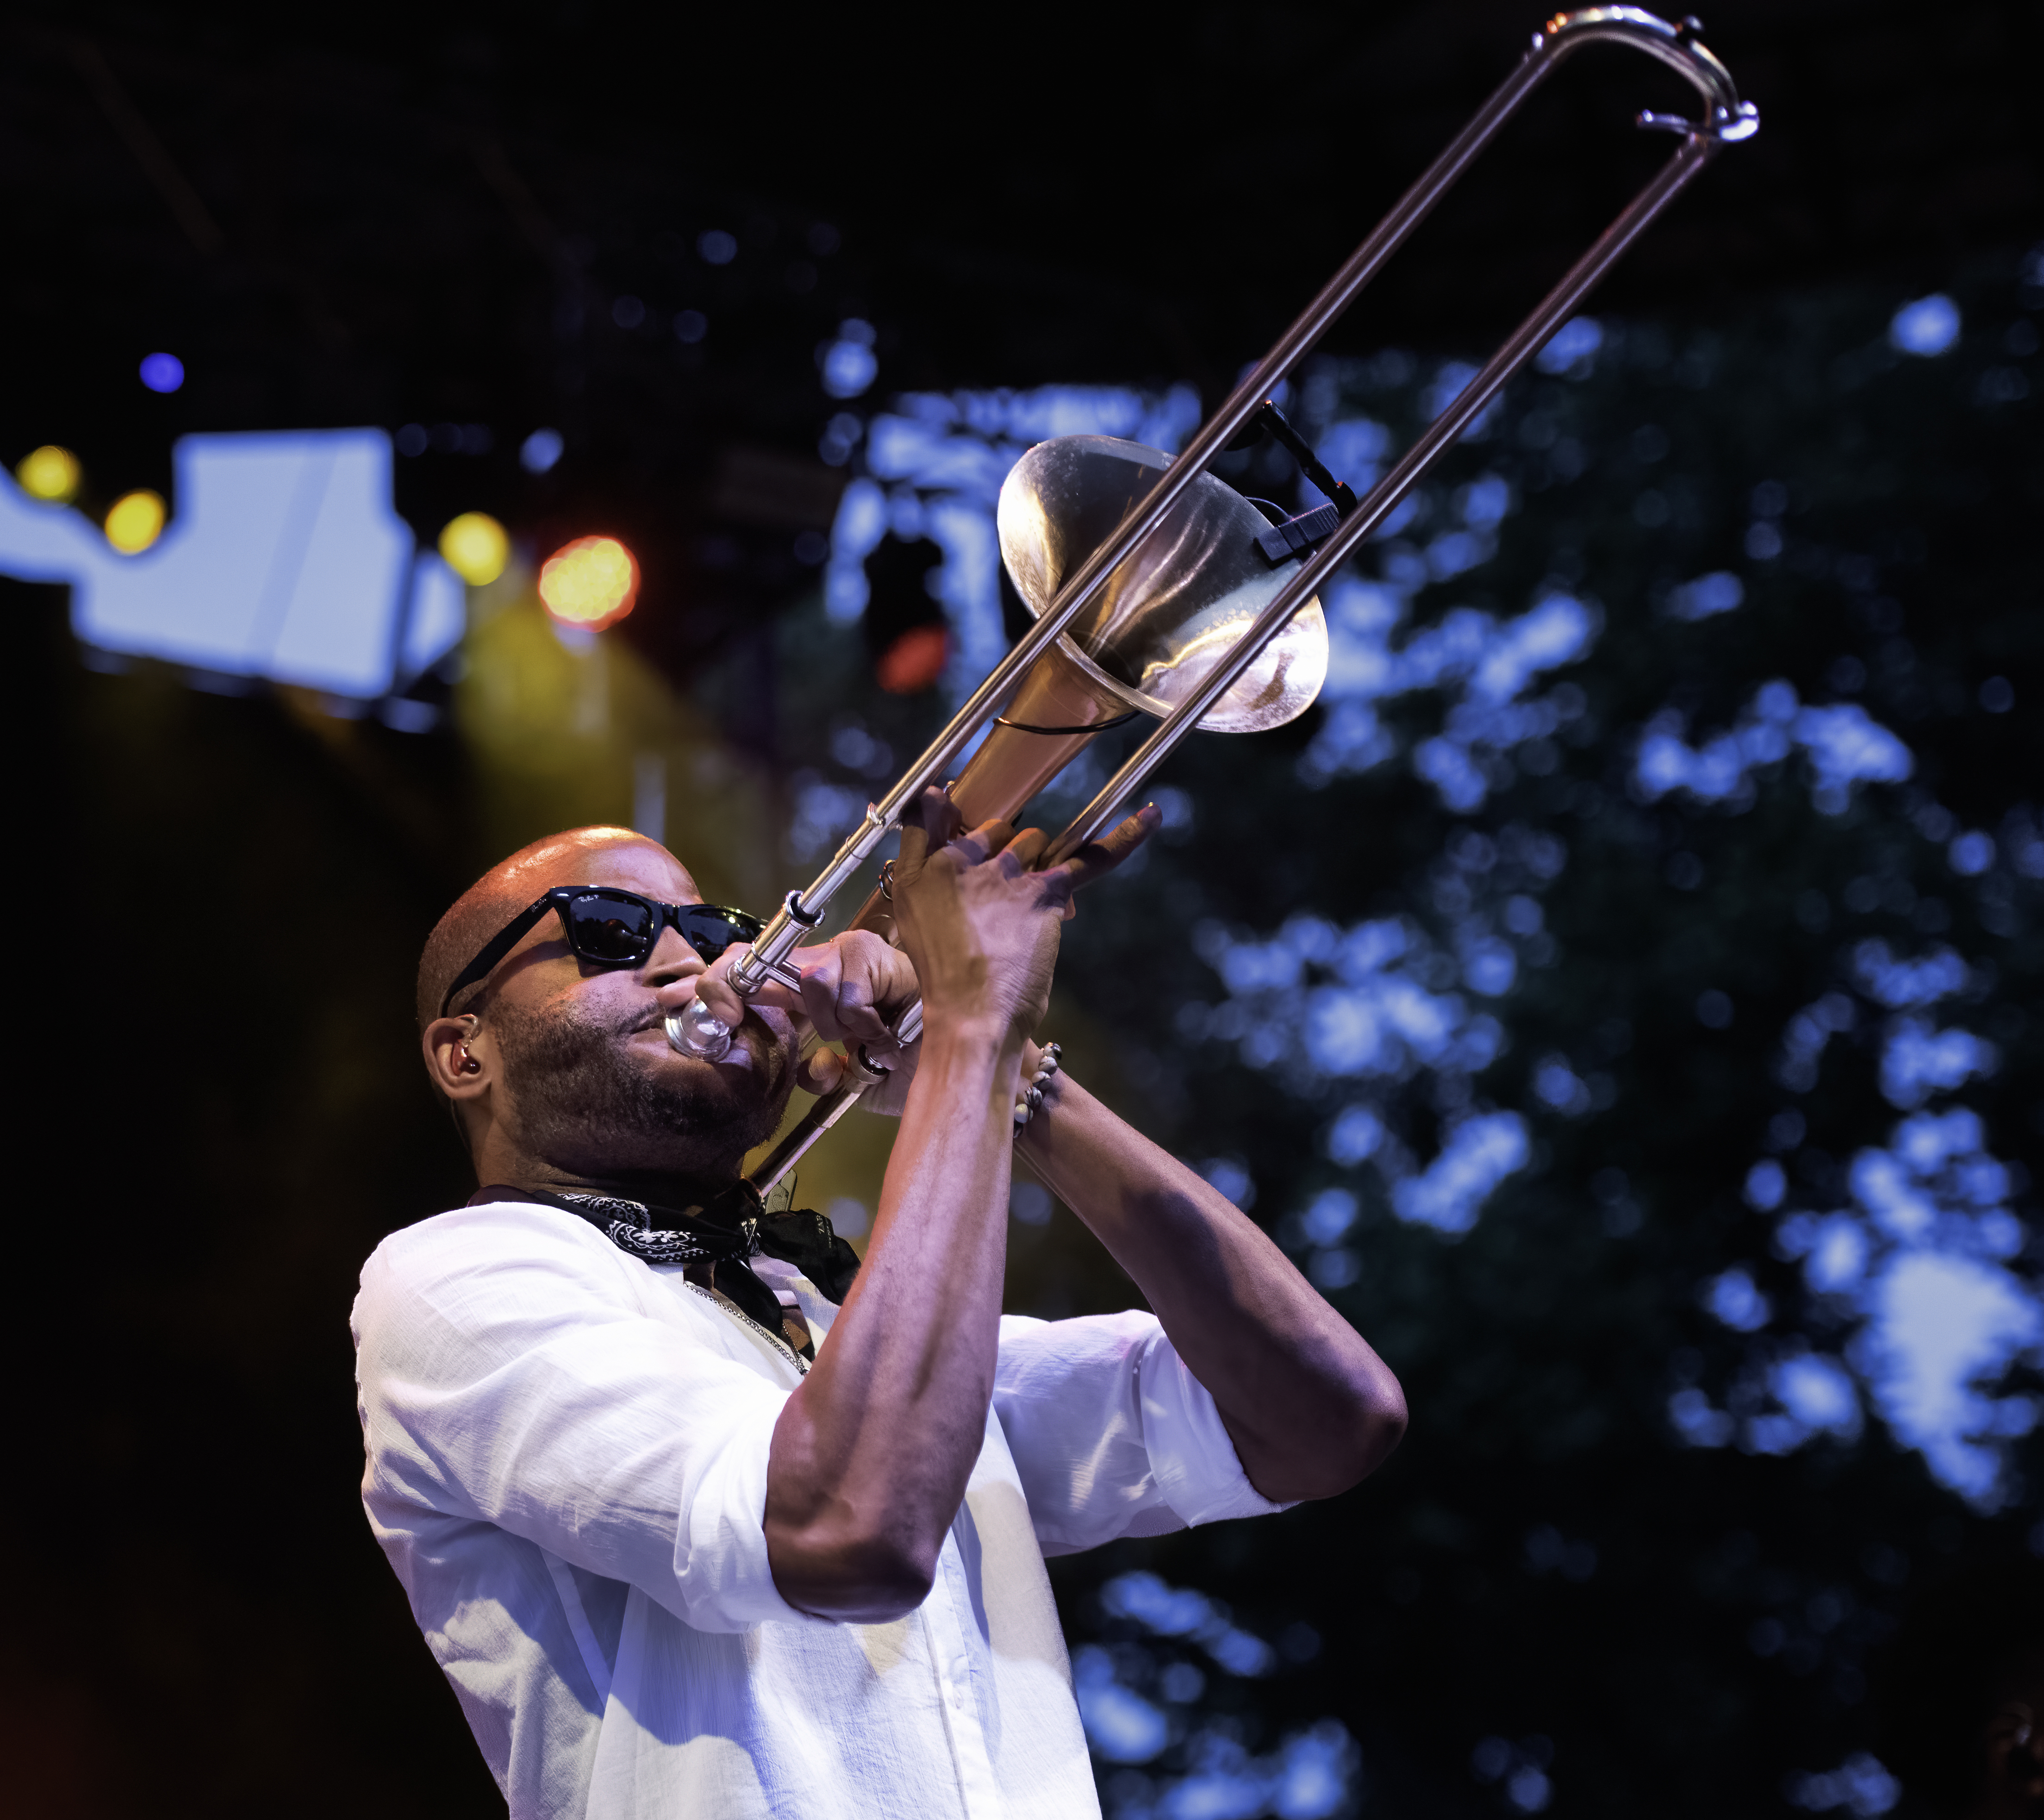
[[721, 1233]]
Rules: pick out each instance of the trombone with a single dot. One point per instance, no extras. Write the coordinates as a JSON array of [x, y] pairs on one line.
[[1160, 614]]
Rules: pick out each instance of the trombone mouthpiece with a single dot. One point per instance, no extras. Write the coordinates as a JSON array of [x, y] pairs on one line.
[[696, 1030]]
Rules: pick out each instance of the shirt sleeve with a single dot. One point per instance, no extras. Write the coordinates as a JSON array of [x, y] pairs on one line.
[[1111, 1435], [508, 1373]]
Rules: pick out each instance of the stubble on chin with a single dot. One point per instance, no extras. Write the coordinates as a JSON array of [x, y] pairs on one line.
[[588, 1104]]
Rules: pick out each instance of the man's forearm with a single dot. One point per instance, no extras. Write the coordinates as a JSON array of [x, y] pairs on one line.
[[1310, 1407], [871, 1455]]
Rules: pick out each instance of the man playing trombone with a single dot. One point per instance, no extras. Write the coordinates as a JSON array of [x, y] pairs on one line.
[[696, 1519]]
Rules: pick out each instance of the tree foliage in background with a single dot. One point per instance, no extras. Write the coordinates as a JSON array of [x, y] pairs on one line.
[[1620, 995]]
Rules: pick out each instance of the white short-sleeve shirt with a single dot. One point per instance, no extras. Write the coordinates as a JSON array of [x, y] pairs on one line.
[[566, 1466]]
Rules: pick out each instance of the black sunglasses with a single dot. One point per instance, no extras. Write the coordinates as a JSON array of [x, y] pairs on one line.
[[610, 928]]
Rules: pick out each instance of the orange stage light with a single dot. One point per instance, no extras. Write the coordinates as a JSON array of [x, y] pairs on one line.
[[589, 584]]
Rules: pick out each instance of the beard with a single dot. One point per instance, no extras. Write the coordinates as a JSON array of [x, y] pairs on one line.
[[587, 1105]]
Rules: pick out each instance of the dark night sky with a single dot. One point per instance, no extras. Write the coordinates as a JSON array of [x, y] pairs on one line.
[[375, 216]]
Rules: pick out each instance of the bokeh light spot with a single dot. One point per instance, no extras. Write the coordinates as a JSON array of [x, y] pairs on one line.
[[849, 365], [540, 450], [476, 547], [1575, 344], [589, 584], [136, 521], [913, 661], [49, 473], [1927, 327], [162, 372]]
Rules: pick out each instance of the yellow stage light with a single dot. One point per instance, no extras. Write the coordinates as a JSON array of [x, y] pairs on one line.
[[589, 584], [49, 473], [476, 547], [136, 521]]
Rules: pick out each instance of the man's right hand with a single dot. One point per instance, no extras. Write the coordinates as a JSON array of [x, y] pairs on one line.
[[980, 928]]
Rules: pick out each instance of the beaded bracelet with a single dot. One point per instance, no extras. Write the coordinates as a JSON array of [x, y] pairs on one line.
[[1031, 1096]]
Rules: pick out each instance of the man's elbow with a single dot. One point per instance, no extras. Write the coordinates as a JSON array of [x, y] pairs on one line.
[[1346, 1449], [1379, 1427], [863, 1577]]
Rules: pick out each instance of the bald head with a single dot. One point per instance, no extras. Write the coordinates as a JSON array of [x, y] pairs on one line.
[[559, 1068], [580, 856]]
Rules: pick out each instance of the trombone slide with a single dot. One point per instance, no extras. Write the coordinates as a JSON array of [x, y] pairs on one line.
[[1725, 120]]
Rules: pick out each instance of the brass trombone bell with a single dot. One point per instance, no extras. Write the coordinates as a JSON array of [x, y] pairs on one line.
[[1174, 610], [1168, 616]]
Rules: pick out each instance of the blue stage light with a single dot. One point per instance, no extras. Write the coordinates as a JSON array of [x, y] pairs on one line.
[[162, 372], [286, 560], [540, 450]]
